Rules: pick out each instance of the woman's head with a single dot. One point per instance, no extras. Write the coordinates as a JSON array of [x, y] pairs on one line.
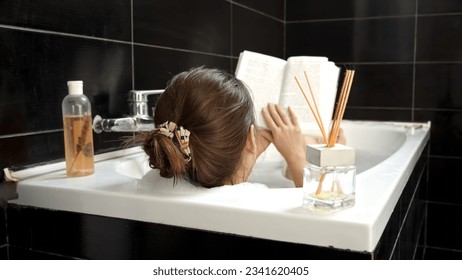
[[217, 110]]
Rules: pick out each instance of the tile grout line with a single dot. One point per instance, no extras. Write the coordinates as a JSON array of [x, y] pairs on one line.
[[371, 17], [254, 10], [12, 27], [13, 135]]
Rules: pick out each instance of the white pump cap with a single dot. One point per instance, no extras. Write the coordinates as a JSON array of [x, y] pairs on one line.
[[75, 87]]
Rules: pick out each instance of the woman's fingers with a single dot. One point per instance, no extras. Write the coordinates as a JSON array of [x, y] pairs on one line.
[[268, 118], [293, 117], [283, 118], [275, 116]]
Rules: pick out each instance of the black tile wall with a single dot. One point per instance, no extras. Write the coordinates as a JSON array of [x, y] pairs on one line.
[[35, 90], [113, 46], [438, 86], [24, 150], [444, 179], [372, 40], [254, 32], [382, 85], [103, 18], [440, 6], [408, 59], [168, 63], [272, 8], [446, 132], [334, 9], [438, 38], [32, 92], [201, 25], [377, 114]]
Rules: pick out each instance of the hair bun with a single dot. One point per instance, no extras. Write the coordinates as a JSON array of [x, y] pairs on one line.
[[164, 155]]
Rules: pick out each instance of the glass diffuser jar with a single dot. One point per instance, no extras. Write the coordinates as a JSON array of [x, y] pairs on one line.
[[329, 178]]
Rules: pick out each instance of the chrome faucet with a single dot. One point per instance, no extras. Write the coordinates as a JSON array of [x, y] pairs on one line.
[[138, 119]]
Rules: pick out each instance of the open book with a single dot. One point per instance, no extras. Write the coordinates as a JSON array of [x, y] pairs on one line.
[[272, 79]]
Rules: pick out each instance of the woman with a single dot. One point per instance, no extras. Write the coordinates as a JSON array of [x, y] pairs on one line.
[[205, 131]]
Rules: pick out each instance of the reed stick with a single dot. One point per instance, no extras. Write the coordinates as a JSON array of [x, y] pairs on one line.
[[337, 108], [321, 180], [315, 114], [340, 101], [334, 133], [315, 105]]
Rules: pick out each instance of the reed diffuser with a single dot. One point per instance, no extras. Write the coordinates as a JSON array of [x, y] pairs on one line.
[[330, 174]]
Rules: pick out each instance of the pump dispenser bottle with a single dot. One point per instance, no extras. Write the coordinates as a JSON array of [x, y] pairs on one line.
[[78, 134]]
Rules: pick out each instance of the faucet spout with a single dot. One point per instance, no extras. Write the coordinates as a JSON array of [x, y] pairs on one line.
[[128, 124]]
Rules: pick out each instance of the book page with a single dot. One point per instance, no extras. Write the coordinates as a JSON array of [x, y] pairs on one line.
[[323, 78], [263, 75]]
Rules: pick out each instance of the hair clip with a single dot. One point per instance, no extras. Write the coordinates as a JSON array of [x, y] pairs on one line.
[[169, 129], [182, 135]]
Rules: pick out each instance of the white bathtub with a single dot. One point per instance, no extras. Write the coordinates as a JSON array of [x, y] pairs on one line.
[[124, 187]]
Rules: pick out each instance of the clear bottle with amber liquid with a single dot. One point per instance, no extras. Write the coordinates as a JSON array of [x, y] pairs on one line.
[[78, 134]]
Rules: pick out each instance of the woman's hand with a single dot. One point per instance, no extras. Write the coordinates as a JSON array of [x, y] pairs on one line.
[[287, 138]]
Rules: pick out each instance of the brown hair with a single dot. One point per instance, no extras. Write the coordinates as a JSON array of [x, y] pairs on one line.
[[218, 111]]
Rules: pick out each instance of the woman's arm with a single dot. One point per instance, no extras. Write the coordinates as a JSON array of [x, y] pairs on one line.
[[287, 138]]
